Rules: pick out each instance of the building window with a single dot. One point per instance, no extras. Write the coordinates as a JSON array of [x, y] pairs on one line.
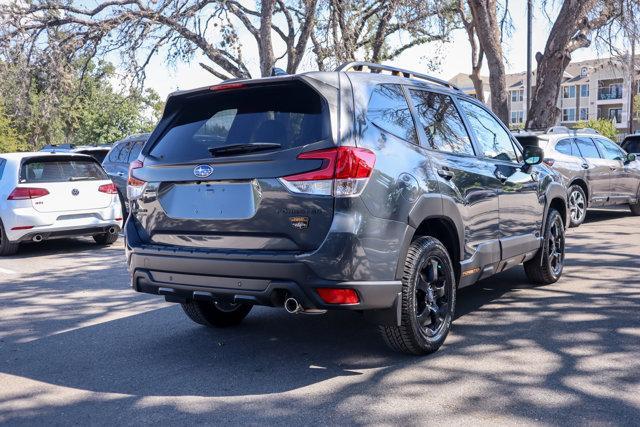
[[517, 117], [584, 91], [517, 95], [569, 115], [569, 91], [615, 114], [584, 114]]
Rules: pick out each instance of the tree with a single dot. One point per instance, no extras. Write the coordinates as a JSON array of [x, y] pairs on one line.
[[373, 30], [604, 126], [179, 29], [10, 140], [477, 53], [489, 32], [576, 21], [47, 100]]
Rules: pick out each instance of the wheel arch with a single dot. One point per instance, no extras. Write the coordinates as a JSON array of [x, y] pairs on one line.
[[582, 184], [436, 217]]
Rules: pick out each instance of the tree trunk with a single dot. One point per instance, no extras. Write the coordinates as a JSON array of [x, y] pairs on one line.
[[569, 33], [485, 19], [265, 46]]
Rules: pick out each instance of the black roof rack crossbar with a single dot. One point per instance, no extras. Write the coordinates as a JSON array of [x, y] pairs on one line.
[[376, 68]]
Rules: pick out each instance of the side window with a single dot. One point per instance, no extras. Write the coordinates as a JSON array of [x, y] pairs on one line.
[[587, 148], [441, 122], [123, 155], [494, 140], [135, 150], [388, 109], [609, 149], [115, 152], [2, 163], [564, 146]]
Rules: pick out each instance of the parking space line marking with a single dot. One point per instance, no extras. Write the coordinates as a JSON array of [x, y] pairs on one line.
[[7, 271]]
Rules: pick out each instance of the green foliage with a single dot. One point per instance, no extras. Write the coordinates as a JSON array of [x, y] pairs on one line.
[[74, 103], [604, 126], [10, 140]]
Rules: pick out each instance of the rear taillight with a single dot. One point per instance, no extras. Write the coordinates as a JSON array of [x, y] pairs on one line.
[[25, 193], [108, 188], [344, 172], [135, 186], [548, 161]]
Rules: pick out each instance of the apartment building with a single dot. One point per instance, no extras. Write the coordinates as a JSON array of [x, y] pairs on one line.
[[597, 88]]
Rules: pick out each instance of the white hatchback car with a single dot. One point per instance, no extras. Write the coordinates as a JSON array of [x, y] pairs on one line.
[[51, 195]]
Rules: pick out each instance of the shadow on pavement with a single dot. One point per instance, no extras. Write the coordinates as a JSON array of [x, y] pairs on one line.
[[530, 353]]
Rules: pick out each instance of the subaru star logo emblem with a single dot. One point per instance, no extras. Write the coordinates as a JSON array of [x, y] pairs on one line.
[[203, 171], [75, 191]]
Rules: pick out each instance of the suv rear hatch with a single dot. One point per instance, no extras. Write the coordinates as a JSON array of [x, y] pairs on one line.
[[210, 177]]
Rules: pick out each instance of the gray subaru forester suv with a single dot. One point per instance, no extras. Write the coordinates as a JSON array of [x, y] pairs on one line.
[[382, 192]]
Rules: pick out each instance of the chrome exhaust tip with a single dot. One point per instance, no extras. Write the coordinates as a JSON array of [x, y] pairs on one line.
[[37, 238], [112, 230], [292, 306]]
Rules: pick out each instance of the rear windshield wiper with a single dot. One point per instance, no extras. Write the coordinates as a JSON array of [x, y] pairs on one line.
[[243, 148], [81, 178]]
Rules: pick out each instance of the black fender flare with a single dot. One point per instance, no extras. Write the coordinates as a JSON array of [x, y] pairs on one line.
[[431, 206]]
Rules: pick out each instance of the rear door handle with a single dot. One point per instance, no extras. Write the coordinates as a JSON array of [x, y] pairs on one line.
[[120, 173], [446, 173]]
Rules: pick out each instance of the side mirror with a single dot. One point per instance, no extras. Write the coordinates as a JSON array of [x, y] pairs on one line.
[[630, 158], [532, 155]]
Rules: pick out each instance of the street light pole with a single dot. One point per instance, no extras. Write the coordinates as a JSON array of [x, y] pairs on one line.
[[529, 31], [632, 74]]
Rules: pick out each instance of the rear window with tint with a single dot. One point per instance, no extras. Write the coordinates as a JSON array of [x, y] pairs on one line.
[[58, 169], [632, 145], [291, 115]]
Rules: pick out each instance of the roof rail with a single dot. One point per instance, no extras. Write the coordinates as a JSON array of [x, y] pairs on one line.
[[587, 130], [564, 129], [377, 68]]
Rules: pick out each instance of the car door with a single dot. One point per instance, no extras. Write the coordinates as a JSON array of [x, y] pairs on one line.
[[567, 160], [598, 171], [520, 203], [624, 181], [463, 178]]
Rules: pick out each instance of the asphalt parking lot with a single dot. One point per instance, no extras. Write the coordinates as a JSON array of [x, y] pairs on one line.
[[77, 346]]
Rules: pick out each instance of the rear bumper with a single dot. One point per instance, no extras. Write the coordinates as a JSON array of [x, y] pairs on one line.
[[183, 279], [58, 224]]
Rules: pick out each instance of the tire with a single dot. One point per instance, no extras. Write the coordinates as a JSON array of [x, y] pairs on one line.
[[424, 284], [215, 314], [106, 238], [635, 209], [7, 248], [546, 267], [577, 203]]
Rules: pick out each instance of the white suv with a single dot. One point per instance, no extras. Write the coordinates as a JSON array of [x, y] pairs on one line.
[[50, 195]]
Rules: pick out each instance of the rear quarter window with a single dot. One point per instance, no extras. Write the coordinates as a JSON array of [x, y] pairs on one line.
[[42, 169], [2, 163], [388, 109], [291, 114]]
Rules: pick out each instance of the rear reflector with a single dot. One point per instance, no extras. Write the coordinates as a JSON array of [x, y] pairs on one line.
[[344, 172], [25, 193], [108, 188], [338, 295], [23, 227]]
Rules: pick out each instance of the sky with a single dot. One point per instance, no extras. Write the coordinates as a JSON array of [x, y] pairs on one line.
[[454, 57]]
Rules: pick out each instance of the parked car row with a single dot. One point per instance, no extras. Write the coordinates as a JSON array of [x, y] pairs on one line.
[[597, 172]]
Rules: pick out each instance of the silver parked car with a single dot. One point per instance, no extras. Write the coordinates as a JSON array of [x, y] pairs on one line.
[[596, 170]]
